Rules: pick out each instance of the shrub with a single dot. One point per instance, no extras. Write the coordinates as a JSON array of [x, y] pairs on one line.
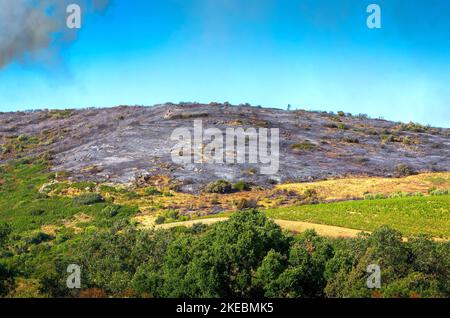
[[242, 186], [111, 211], [219, 186], [341, 113], [374, 196], [350, 140], [331, 125], [22, 138], [37, 212], [198, 228], [160, 219], [435, 192], [407, 141], [361, 160], [88, 199], [362, 116], [244, 204], [5, 231], [152, 191], [415, 127], [40, 237], [310, 196], [403, 170], [400, 195], [171, 214], [305, 145]]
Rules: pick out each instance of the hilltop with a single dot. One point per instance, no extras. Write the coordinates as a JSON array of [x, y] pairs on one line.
[[131, 145]]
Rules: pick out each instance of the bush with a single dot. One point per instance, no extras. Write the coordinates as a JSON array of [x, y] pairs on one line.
[[310, 196], [160, 220], [435, 192], [152, 191], [331, 125], [171, 215], [198, 228], [88, 199], [415, 127], [5, 231], [40, 237], [244, 204], [400, 195], [111, 211], [403, 170], [350, 140], [242, 186], [305, 145], [374, 196], [22, 138], [37, 212], [219, 186]]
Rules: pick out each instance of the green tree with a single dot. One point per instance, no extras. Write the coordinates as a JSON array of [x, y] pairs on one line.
[[6, 275]]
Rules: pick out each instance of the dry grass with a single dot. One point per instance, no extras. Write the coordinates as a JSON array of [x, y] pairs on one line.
[[330, 190], [78, 219], [355, 188], [292, 226]]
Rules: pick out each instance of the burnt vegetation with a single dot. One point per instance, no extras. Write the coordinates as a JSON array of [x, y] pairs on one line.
[[123, 143]]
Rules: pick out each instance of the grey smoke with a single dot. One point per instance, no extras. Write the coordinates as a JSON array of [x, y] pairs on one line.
[[32, 27]]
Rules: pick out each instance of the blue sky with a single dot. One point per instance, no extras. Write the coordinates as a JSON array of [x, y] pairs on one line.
[[312, 54]]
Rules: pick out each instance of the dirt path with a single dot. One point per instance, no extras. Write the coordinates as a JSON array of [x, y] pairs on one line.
[[295, 226]]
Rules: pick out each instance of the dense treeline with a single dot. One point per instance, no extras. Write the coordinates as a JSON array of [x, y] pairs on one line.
[[246, 256]]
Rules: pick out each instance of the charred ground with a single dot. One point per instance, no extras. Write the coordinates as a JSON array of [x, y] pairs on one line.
[[132, 144]]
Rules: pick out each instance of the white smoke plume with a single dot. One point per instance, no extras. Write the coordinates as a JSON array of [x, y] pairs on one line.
[[31, 27]]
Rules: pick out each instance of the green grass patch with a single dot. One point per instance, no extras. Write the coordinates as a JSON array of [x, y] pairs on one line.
[[410, 215], [22, 206]]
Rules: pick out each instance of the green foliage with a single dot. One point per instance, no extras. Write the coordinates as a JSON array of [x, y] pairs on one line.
[[152, 191], [219, 186], [110, 211], [403, 170], [40, 237], [374, 196], [415, 127], [435, 192], [242, 186], [410, 215], [350, 140], [305, 145], [160, 220], [246, 256], [171, 216], [88, 199], [244, 204], [6, 275], [5, 231], [220, 263], [310, 196]]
